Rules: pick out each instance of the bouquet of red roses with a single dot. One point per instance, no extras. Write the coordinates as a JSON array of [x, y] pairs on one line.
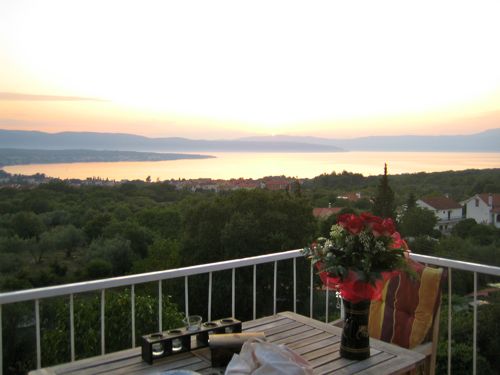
[[362, 252]]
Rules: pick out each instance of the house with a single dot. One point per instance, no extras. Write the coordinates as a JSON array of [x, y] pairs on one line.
[[484, 208], [447, 211], [352, 197], [325, 212]]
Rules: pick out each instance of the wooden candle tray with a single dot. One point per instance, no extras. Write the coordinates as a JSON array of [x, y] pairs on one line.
[[162, 344]]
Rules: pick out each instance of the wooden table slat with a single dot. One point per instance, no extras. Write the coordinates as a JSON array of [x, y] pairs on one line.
[[322, 352], [270, 331], [299, 344], [328, 342], [273, 319], [287, 333], [269, 325], [298, 338]]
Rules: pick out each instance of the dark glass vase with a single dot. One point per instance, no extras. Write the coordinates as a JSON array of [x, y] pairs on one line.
[[355, 342]]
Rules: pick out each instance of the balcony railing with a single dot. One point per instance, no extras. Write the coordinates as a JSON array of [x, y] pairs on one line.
[[70, 290]]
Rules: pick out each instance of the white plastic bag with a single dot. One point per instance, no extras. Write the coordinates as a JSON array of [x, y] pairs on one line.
[[258, 358]]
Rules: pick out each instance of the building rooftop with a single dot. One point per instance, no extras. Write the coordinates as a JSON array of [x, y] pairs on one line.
[[324, 212], [441, 203]]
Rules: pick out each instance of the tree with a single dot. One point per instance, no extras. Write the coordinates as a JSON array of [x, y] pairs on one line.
[[165, 221], [243, 224], [417, 222], [162, 255], [463, 228], [98, 268], [27, 225], [384, 200], [96, 224], [116, 251], [67, 238], [411, 202], [140, 237]]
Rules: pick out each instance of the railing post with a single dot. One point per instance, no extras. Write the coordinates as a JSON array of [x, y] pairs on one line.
[[132, 312], [210, 296], [294, 285], [274, 288], [327, 297], [103, 322], [474, 342], [160, 310], [38, 343], [311, 290], [72, 326], [186, 295], [233, 295], [254, 291]]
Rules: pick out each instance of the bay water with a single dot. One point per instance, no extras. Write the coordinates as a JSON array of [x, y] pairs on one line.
[[227, 165]]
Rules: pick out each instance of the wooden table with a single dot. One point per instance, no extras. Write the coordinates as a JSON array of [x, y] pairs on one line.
[[314, 340]]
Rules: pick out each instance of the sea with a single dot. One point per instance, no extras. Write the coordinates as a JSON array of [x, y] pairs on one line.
[[228, 165]]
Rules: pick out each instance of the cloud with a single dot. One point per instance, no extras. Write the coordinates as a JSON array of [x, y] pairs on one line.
[[34, 97]]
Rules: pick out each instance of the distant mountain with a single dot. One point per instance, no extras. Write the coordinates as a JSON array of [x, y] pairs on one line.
[[487, 141], [9, 156], [115, 141]]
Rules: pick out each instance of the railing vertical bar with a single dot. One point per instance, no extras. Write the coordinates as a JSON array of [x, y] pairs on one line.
[[38, 344], [449, 320], [1, 342], [72, 326], [103, 322], [132, 307], [327, 302], [294, 285], [311, 292], [210, 296], [160, 304], [342, 308], [474, 343], [274, 286], [254, 291], [186, 294], [233, 295]]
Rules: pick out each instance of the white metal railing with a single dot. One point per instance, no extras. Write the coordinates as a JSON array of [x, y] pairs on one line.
[[101, 285]]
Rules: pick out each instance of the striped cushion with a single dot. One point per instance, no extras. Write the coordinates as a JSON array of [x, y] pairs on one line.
[[405, 313]]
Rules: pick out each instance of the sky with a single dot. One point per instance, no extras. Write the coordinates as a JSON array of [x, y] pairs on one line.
[[226, 69]]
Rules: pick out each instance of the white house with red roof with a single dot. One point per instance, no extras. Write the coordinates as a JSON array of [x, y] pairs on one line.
[[484, 208], [447, 211]]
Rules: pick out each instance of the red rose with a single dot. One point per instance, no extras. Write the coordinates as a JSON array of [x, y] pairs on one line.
[[370, 219], [366, 216], [344, 219], [351, 222], [377, 229], [389, 227], [355, 224], [398, 242]]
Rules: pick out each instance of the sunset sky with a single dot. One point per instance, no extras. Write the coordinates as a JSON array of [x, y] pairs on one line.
[[225, 69]]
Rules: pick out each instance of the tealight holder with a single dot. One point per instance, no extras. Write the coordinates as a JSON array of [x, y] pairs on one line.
[[163, 344]]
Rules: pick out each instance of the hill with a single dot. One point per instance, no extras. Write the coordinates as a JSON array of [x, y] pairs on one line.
[[116, 141], [487, 141]]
